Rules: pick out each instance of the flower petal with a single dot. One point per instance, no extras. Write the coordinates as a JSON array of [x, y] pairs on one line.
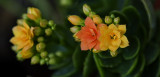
[[122, 29], [113, 48], [124, 42], [89, 23], [84, 45], [113, 27]]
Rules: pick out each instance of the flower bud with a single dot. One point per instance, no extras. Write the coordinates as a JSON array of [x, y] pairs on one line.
[[116, 20], [96, 51], [86, 9], [40, 46], [113, 54], [59, 53], [40, 39], [75, 20], [19, 56], [14, 48], [26, 54], [66, 2], [24, 16], [48, 31], [91, 14], [108, 20], [52, 61], [33, 13], [51, 23], [20, 21], [112, 16], [44, 54], [76, 38], [74, 29], [51, 55], [37, 31], [97, 19], [43, 23], [42, 61], [35, 60]]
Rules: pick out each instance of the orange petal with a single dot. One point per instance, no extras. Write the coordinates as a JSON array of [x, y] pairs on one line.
[[84, 46], [97, 46], [89, 23]]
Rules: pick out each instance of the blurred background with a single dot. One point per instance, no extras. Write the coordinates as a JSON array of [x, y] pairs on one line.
[[10, 11]]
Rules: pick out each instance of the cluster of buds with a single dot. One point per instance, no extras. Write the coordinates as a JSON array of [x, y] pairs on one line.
[[31, 37], [96, 35]]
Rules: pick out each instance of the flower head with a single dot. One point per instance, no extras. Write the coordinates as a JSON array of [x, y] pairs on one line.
[[89, 35], [23, 35], [33, 13], [112, 37]]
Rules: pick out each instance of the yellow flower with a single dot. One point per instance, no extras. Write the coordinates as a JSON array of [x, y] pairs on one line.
[[33, 13], [97, 19], [23, 38], [112, 37]]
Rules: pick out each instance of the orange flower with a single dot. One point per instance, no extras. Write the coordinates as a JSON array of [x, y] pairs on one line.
[[89, 35], [23, 38]]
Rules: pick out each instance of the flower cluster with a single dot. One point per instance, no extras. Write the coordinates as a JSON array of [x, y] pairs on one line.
[[98, 36], [30, 37]]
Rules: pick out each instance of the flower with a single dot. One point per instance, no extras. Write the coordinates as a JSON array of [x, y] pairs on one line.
[[23, 38], [112, 37], [33, 13], [89, 35]]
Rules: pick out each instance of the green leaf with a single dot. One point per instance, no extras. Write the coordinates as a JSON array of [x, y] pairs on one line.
[[151, 52], [67, 71], [89, 65], [151, 16], [78, 58], [133, 18], [132, 50], [104, 54]]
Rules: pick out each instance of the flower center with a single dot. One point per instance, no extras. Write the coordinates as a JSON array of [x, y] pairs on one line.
[[113, 36], [92, 32]]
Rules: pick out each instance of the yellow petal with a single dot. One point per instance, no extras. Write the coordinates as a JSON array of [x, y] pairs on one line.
[[26, 54], [116, 42], [26, 26], [113, 48], [112, 26], [122, 29], [124, 42], [18, 31]]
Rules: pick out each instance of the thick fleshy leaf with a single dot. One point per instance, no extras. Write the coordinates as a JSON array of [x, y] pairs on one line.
[[89, 65], [151, 52], [132, 50]]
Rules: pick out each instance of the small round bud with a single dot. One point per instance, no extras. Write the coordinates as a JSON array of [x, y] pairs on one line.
[[24, 16], [51, 55], [37, 31], [75, 20], [97, 19], [86, 9], [43, 23], [19, 56], [35, 60], [48, 31], [44, 54], [112, 16], [52, 61], [20, 21], [66, 2], [74, 29], [42, 61], [116, 20], [51, 23], [59, 53], [14, 48], [113, 54], [40, 39], [108, 20], [40, 46], [46, 59]]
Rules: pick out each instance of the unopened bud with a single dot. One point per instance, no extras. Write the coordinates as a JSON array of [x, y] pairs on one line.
[[33, 13], [65, 2], [48, 31], [42, 61], [86, 9], [37, 31], [59, 53], [20, 21], [74, 29], [40, 39], [51, 55], [40, 46], [24, 16], [44, 54], [26, 54], [51, 23], [116, 20], [97, 19], [52, 61], [113, 54], [112, 16], [91, 14], [43, 23], [35, 60], [76, 38], [75, 20], [19, 56], [14, 48], [108, 20]]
